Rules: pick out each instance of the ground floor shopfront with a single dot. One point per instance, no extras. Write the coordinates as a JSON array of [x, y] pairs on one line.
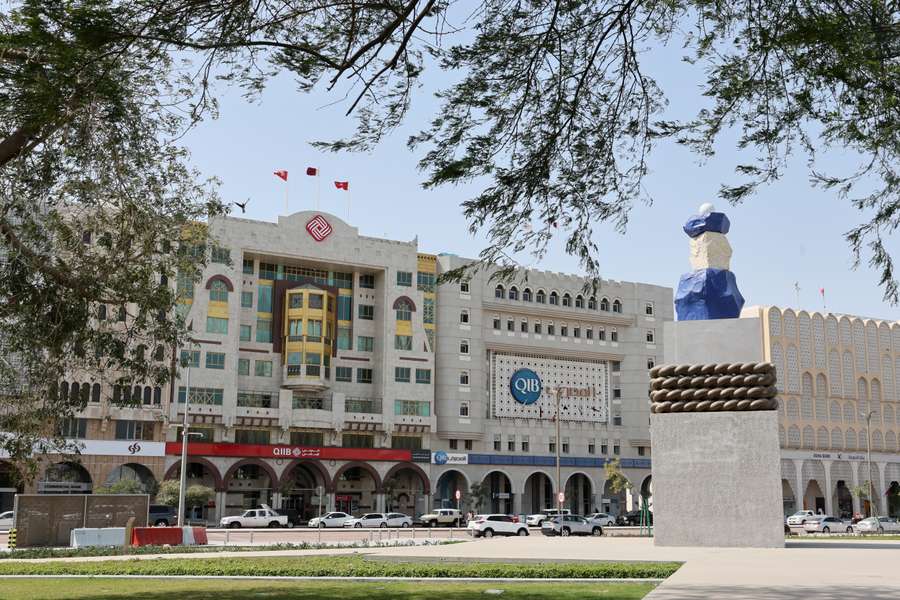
[[834, 483]]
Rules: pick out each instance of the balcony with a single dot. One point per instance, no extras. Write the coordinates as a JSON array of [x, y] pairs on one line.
[[253, 404], [309, 378], [312, 410], [369, 406]]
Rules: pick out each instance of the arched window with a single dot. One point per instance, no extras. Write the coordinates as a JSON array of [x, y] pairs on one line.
[[554, 298], [218, 291], [567, 300], [540, 297], [526, 295], [95, 393], [499, 292], [604, 304], [101, 312], [617, 306], [148, 395], [579, 301], [592, 303], [513, 293], [403, 310], [73, 392], [157, 395]]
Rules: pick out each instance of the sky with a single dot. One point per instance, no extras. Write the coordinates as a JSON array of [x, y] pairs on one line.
[[788, 233]]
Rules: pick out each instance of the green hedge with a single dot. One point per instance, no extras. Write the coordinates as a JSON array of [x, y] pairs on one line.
[[342, 566]]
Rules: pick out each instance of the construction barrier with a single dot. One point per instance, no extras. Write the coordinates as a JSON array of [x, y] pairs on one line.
[[168, 536], [91, 537], [11, 540]]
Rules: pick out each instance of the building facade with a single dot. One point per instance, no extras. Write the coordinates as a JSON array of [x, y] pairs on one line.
[[329, 371]]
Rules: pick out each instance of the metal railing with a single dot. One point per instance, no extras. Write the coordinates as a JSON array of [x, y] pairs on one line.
[[362, 405], [312, 402]]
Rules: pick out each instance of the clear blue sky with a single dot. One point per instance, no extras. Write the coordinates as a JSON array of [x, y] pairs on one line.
[[788, 232]]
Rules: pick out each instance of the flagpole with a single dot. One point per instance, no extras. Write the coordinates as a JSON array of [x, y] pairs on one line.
[[318, 188], [349, 198], [286, 197]]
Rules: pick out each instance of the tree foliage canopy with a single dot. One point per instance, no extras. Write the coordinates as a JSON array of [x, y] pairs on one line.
[[552, 108]]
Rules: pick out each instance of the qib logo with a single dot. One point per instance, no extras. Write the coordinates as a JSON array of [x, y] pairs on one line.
[[525, 386]]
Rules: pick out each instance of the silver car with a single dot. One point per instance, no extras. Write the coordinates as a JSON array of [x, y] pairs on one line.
[[570, 525], [878, 525], [602, 519], [823, 524]]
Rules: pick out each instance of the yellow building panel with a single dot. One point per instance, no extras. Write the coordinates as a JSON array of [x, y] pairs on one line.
[[404, 327], [264, 315], [218, 309], [427, 263]]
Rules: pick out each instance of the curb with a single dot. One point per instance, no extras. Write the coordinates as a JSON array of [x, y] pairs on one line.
[[355, 579]]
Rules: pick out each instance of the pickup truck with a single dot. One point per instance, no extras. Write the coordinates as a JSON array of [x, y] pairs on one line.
[[442, 516], [799, 518], [257, 517]]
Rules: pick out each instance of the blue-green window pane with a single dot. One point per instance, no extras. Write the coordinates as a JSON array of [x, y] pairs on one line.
[[246, 299], [264, 299], [246, 332], [215, 360], [344, 308], [264, 331], [344, 338], [216, 325]]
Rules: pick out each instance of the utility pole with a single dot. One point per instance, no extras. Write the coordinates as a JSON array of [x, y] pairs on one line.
[[869, 460], [185, 436], [559, 484]]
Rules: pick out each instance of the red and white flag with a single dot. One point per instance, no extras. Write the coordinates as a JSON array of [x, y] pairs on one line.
[[342, 185], [312, 171], [282, 174]]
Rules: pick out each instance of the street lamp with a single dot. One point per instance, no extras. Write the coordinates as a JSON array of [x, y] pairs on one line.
[[868, 417], [560, 487], [185, 435]]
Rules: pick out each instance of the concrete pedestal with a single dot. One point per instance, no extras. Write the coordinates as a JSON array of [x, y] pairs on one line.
[[716, 479]]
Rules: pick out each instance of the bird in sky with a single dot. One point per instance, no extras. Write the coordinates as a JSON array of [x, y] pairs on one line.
[[243, 205]]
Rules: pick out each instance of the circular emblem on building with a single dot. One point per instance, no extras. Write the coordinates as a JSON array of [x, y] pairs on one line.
[[296, 452], [318, 228], [525, 386], [441, 457]]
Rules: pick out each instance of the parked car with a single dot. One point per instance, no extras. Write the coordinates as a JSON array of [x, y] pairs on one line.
[[380, 520], [332, 519], [257, 517], [602, 519], [800, 517], [823, 524], [442, 516], [491, 525], [878, 525], [633, 518], [538, 519], [570, 525], [6, 520], [160, 515]]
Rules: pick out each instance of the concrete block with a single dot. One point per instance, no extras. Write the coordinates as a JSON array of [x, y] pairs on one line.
[[716, 479], [91, 537]]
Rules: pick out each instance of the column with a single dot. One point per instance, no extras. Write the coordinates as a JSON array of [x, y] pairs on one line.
[[799, 487], [329, 502], [854, 478], [829, 491], [220, 506], [517, 503], [881, 499], [276, 500], [380, 502]]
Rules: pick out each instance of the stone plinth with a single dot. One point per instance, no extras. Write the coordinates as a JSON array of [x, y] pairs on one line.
[[716, 479]]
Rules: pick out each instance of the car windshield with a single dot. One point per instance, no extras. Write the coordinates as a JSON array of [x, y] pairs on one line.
[[800, 513], [249, 513]]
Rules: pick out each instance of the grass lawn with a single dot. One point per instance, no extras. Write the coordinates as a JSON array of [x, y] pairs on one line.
[[167, 589]]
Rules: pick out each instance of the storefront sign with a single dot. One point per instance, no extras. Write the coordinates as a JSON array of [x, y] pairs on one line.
[[289, 452], [446, 458], [838, 456], [421, 456], [525, 386], [120, 447]]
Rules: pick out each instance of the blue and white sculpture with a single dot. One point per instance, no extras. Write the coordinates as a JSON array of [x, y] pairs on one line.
[[710, 291]]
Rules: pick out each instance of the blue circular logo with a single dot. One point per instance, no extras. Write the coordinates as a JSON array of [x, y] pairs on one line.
[[441, 458], [525, 386]]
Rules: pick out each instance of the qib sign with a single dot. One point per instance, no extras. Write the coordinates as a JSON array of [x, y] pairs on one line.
[[525, 386]]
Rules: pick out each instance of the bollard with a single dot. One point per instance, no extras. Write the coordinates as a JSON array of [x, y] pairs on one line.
[[429, 534], [227, 533], [11, 539], [413, 533], [451, 533], [251, 537], [320, 534]]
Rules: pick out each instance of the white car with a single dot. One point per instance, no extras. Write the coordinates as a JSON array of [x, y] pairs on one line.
[[332, 519], [570, 525], [548, 513], [823, 524], [603, 519], [800, 517], [878, 525], [6, 520], [380, 520], [491, 525], [258, 517]]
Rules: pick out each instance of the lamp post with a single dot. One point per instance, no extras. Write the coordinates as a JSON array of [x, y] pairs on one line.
[[185, 436], [559, 484], [868, 416]]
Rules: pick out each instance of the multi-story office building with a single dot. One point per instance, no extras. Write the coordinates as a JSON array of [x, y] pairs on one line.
[[328, 370]]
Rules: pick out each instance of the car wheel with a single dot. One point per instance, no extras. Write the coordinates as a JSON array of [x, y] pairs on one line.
[[881, 530], [596, 531], [274, 525], [456, 523], [849, 530], [358, 525], [432, 523], [405, 524], [321, 525], [162, 523], [383, 525], [234, 525], [523, 532], [826, 530], [488, 533], [565, 532]]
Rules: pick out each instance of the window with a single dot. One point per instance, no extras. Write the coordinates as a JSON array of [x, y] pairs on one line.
[[403, 310], [246, 299], [403, 342], [498, 443], [523, 326], [604, 447], [463, 346], [567, 300], [73, 428], [617, 392], [552, 445], [463, 409], [342, 280], [565, 445], [257, 399], [406, 442], [218, 291], [220, 255], [576, 332], [617, 420], [650, 336], [613, 335], [640, 451], [314, 330], [453, 444], [190, 358], [367, 282], [648, 309], [343, 338], [617, 306], [264, 331], [588, 333], [264, 298], [425, 282], [592, 303], [524, 443], [537, 327], [499, 292], [246, 333], [604, 304], [215, 360], [527, 296], [511, 443], [307, 438], [244, 366], [366, 312], [295, 300], [428, 311], [579, 301], [497, 323], [463, 316], [601, 334], [592, 448], [134, 430], [551, 329], [616, 366], [199, 395], [248, 266], [268, 271], [263, 368], [463, 378], [423, 376], [216, 325], [404, 278], [616, 448], [401, 374], [564, 330], [464, 287], [251, 436], [412, 408], [510, 325], [365, 343], [344, 374], [467, 444], [554, 298], [540, 297], [363, 375], [344, 308], [513, 293], [316, 301]]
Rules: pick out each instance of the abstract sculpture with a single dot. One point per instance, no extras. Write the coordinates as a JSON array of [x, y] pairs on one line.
[[713, 387], [709, 291]]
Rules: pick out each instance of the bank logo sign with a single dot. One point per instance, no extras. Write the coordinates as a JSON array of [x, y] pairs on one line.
[[449, 458], [318, 228], [525, 386]]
